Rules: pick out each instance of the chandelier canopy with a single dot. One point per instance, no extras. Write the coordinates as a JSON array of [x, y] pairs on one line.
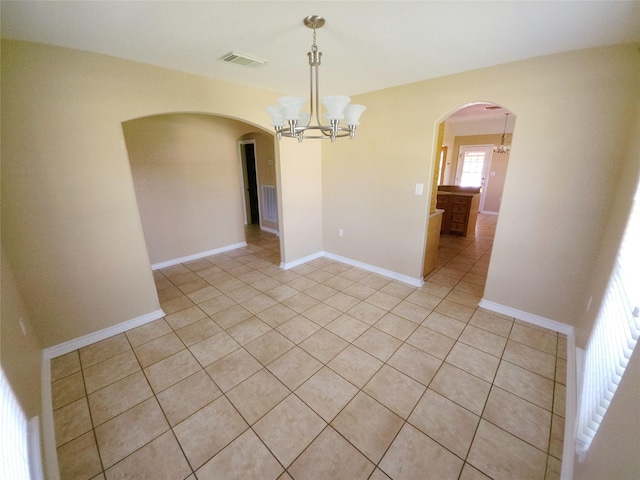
[[503, 148], [288, 119]]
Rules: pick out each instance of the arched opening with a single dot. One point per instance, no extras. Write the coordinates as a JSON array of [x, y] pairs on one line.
[[188, 184], [471, 162]]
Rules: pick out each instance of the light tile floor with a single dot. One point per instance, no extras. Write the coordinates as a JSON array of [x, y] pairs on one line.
[[323, 371]]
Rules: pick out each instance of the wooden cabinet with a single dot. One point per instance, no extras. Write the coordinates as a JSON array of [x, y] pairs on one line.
[[460, 211]]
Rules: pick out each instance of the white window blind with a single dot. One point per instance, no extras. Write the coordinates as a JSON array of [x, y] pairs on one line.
[[614, 336], [14, 457]]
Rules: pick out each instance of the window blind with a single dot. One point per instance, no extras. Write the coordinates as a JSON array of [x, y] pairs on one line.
[[14, 458], [614, 336]]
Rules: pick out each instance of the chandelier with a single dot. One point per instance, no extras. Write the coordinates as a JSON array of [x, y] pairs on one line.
[[503, 148], [288, 119]]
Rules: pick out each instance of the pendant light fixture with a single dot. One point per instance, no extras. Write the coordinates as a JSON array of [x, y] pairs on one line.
[[503, 148], [288, 119]]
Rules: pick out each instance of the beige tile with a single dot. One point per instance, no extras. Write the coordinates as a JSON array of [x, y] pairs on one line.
[[269, 346], [230, 285], [414, 455], [147, 332], [397, 289], [195, 433], [483, 340], [434, 289], [158, 349], [359, 291], [171, 370], [324, 345], [383, 300], [446, 325], [187, 397], [118, 397], [396, 391], [298, 329], [355, 365], [446, 422], [396, 326], [461, 387], [425, 300], [530, 358], [110, 371], [326, 393], [378, 475], [367, 313], [289, 428], [213, 348], [294, 367], [491, 323], [368, 425], [100, 351], [302, 284], [258, 303], [341, 301], [500, 455], [320, 292], [185, 317], [322, 314], [331, 456], [276, 315], [320, 276], [559, 399], [71, 421], [474, 361], [561, 371], [374, 280], [556, 441], [455, 310], [217, 304], [175, 305], [203, 294], [415, 363], [554, 468], [300, 302], [445, 281], [231, 316], [236, 367], [198, 331], [519, 417], [160, 455], [378, 344], [66, 390], [246, 458], [463, 298], [167, 294], [257, 395], [347, 327], [65, 365], [431, 342], [129, 431], [471, 473], [193, 286], [525, 384], [248, 330], [534, 338], [411, 311], [79, 459]]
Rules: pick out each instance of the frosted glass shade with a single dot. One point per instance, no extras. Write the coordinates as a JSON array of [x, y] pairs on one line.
[[304, 118], [335, 105], [292, 107], [277, 115], [352, 114]]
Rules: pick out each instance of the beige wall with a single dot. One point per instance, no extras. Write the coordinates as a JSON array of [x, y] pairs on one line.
[[70, 222], [19, 353], [573, 113], [186, 175], [499, 164]]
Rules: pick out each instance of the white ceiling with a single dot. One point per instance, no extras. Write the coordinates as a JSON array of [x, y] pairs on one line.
[[366, 45]]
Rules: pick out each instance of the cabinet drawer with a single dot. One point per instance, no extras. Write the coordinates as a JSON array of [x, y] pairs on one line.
[[461, 200], [456, 227], [459, 209], [457, 218]]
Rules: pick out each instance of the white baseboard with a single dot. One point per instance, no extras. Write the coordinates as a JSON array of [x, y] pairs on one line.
[[415, 282], [197, 256], [48, 434], [571, 402], [489, 212], [35, 454], [76, 343], [270, 230]]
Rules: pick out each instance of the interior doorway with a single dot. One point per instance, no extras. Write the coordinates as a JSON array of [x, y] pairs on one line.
[[250, 181], [474, 164]]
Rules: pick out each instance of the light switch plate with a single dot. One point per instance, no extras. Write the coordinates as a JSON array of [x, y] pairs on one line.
[[419, 188]]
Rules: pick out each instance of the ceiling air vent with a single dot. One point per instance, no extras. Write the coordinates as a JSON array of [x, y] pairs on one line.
[[242, 59]]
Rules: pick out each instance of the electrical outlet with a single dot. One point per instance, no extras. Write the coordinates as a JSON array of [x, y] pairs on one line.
[[340, 232]]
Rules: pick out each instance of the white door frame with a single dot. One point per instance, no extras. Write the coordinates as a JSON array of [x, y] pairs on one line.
[[244, 181], [486, 167]]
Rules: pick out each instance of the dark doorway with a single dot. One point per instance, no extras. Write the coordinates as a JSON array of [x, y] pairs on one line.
[[252, 182]]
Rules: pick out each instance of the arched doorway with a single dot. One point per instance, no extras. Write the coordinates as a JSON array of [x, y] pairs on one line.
[[466, 201]]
